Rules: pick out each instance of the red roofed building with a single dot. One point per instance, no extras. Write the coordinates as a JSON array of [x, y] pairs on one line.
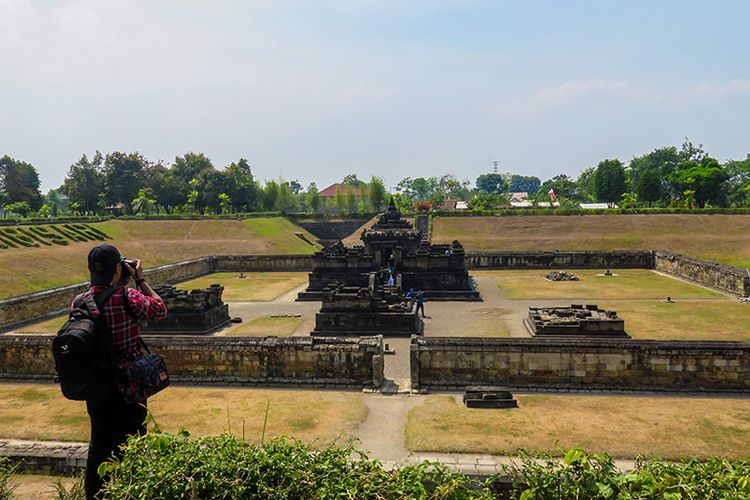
[[330, 191]]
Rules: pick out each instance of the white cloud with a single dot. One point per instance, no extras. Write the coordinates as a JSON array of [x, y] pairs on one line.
[[572, 91], [734, 88]]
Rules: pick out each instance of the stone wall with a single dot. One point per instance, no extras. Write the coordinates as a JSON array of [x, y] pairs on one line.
[[631, 365], [267, 361], [732, 279], [621, 259], [262, 263]]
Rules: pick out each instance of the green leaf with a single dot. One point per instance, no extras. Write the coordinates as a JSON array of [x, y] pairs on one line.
[[574, 455], [527, 494], [605, 490], [102, 469]]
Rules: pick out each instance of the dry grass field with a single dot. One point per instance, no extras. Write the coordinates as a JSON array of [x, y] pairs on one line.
[[638, 296], [254, 287], [624, 426], [592, 284], [36, 411], [684, 320], [156, 242], [264, 327], [38, 487], [723, 238]]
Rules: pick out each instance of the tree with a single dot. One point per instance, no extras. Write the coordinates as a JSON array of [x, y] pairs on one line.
[[351, 199], [19, 207], [285, 201], [340, 200], [312, 198], [704, 179], [351, 180], [55, 200], [377, 193], [519, 184], [609, 181], [270, 194], [585, 185], [84, 183], [144, 203], [123, 178], [492, 183], [225, 203], [648, 187], [563, 186], [738, 183], [242, 187], [19, 181]]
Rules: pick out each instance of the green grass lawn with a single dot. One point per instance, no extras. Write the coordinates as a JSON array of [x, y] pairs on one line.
[[39, 411], [254, 287], [623, 426], [49, 327], [684, 320], [627, 284], [262, 327]]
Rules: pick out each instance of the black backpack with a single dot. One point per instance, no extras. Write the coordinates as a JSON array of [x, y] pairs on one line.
[[84, 351]]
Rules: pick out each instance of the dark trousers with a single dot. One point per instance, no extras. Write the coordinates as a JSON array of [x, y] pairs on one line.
[[420, 307], [112, 420]]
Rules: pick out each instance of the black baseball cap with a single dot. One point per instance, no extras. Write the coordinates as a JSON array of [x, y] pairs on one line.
[[103, 260]]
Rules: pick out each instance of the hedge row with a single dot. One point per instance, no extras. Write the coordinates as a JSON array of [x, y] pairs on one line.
[[600, 211], [160, 465]]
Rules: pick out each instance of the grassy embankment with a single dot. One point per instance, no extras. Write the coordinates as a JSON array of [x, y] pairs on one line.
[[722, 238], [156, 242], [39, 411], [623, 426]]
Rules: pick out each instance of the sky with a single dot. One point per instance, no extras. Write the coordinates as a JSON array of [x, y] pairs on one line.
[[315, 90]]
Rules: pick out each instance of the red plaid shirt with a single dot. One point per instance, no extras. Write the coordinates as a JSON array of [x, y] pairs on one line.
[[123, 321]]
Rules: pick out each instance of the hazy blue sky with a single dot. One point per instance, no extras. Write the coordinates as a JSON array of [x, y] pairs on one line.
[[317, 89]]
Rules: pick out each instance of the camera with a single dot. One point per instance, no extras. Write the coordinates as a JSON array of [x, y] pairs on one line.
[[131, 262]]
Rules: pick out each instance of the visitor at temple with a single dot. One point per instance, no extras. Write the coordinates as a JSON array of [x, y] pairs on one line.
[[419, 298], [410, 294], [112, 419]]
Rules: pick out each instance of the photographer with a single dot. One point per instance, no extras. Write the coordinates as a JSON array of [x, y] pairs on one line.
[[112, 420]]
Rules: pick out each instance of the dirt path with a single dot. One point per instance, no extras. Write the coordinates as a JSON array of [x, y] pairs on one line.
[[383, 432]]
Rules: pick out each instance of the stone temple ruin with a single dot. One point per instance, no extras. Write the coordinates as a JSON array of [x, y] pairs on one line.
[[393, 243], [367, 312], [575, 321], [198, 312]]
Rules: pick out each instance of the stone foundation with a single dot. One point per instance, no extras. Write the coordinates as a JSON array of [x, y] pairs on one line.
[[198, 312], [452, 363]]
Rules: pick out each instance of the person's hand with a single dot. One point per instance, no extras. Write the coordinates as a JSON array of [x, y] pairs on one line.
[[138, 274]]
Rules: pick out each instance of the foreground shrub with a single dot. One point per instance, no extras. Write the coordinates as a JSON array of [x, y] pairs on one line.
[[589, 476], [167, 466]]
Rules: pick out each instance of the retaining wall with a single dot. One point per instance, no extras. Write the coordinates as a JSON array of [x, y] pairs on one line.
[[713, 274], [626, 259], [452, 363], [263, 361]]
